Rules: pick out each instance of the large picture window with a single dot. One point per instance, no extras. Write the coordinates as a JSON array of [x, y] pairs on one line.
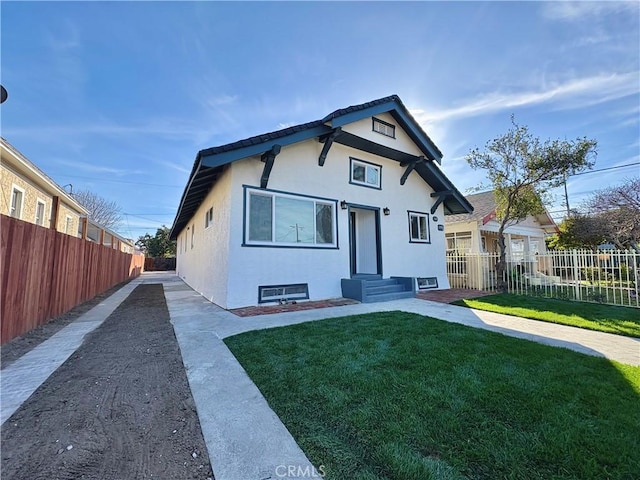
[[283, 219], [365, 174]]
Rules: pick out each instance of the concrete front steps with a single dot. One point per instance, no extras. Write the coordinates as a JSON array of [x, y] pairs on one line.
[[374, 288]]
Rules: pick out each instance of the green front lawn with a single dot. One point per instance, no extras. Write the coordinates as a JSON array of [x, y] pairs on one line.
[[400, 396], [592, 316]]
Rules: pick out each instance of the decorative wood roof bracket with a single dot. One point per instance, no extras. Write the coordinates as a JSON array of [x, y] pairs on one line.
[[328, 141], [410, 166], [268, 157], [441, 197]]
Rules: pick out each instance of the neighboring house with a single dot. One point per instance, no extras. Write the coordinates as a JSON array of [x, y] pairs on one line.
[[30, 195], [94, 232], [477, 233], [318, 210]]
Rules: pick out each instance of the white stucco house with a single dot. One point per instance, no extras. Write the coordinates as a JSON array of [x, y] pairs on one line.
[[349, 205]]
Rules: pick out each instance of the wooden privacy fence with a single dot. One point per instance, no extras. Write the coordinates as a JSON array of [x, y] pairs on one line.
[[605, 276], [46, 273], [155, 264]]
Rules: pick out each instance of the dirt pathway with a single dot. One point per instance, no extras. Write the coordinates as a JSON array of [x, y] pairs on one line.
[[119, 408], [15, 348]]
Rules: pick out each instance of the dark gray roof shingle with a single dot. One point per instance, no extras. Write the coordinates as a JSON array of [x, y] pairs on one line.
[[483, 203], [205, 170]]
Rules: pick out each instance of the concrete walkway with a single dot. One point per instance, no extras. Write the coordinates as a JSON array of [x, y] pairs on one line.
[[245, 439]]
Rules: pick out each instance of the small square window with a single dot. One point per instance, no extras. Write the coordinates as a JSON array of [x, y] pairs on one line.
[[419, 227], [384, 128], [208, 219], [365, 174]]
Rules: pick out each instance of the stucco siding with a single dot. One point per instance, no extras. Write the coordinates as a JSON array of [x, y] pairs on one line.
[[204, 267], [63, 212], [31, 196], [364, 128], [296, 171]]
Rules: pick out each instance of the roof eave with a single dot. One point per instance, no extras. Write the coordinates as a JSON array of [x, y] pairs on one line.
[[49, 185], [397, 109]]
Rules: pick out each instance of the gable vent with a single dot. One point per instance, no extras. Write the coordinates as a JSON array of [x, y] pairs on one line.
[[384, 128]]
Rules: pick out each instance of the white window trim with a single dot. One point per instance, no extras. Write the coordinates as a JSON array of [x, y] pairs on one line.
[[39, 202], [22, 198], [366, 165], [419, 215], [273, 243], [68, 220], [208, 219]]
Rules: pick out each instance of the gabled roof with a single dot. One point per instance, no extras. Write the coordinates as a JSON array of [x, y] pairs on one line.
[[484, 205], [210, 162], [12, 157], [484, 210]]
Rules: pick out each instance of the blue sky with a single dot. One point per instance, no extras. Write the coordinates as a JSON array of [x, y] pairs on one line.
[[118, 97]]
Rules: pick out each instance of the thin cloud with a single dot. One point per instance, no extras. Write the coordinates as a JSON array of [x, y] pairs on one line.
[[221, 100], [577, 11], [166, 128], [569, 95], [173, 165], [99, 168]]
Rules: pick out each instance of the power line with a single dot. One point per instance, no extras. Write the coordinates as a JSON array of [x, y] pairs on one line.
[[144, 218], [122, 181], [608, 168], [156, 214]]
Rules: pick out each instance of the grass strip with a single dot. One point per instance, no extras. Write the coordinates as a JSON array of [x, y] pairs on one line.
[[591, 316], [394, 395]]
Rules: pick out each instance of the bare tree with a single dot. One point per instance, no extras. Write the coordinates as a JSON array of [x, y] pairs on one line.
[[618, 209], [105, 212], [522, 169]]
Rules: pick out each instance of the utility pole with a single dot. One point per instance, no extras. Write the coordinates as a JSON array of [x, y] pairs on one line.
[[566, 197]]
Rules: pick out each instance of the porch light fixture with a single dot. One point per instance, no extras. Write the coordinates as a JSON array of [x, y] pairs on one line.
[[386, 211], [343, 204]]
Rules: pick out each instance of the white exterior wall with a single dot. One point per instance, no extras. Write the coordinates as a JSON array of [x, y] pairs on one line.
[[205, 266], [364, 128], [296, 171], [229, 274]]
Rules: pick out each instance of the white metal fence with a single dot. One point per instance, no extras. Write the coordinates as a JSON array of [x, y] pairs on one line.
[[607, 276]]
